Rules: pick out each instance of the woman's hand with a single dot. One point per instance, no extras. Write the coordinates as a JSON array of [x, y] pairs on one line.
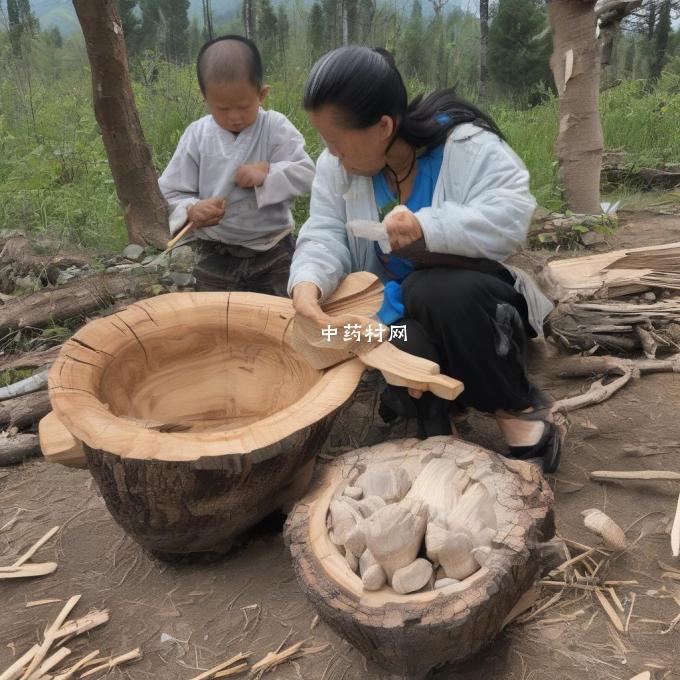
[[207, 213], [403, 227], [306, 303]]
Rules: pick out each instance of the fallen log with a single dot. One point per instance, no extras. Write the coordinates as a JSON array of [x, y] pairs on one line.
[[14, 450], [36, 359], [24, 411], [34, 383], [72, 300], [618, 169], [616, 326]]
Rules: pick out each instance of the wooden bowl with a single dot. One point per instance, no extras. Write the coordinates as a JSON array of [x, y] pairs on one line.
[[408, 635], [195, 419]]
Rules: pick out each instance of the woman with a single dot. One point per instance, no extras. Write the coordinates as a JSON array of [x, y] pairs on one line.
[[464, 206]]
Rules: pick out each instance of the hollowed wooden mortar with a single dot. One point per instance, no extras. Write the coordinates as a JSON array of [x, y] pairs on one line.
[[408, 635], [195, 419]]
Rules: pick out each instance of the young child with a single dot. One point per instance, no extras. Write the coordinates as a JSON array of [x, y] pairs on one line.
[[235, 174]]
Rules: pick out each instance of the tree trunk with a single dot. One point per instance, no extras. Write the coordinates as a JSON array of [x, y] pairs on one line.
[[575, 64], [661, 43], [483, 49], [71, 300], [196, 420], [15, 450], [249, 18], [145, 210], [410, 634]]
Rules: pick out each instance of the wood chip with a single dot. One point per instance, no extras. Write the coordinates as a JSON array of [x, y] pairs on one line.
[[221, 666], [232, 671], [17, 668], [69, 672], [275, 658], [83, 624], [630, 612], [52, 661], [28, 570], [645, 675], [615, 599], [35, 547], [675, 532], [609, 610], [526, 602], [641, 475], [117, 661]]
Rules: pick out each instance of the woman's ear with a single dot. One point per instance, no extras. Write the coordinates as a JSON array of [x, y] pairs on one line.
[[386, 127]]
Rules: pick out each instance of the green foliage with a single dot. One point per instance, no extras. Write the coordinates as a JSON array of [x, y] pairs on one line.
[[315, 36], [268, 33], [519, 48]]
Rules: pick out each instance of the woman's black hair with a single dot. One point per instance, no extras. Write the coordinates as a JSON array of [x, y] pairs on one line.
[[364, 84], [239, 59]]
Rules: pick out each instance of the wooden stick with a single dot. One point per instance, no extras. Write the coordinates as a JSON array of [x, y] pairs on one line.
[[38, 603], [225, 664], [232, 671], [615, 599], [83, 624], [51, 662], [675, 532], [643, 475], [68, 673], [609, 610], [28, 570], [272, 659], [17, 668], [35, 547], [573, 560], [49, 636], [184, 230], [117, 661]]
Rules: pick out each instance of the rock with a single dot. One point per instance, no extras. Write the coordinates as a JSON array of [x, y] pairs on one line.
[[370, 504], [134, 252], [366, 561], [181, 258], [343, 519], [356, 539], [648, 296], [412, 577], [27, 282], [182, 279], [386, 481], [64, 277], [592, 238], [435, 537]]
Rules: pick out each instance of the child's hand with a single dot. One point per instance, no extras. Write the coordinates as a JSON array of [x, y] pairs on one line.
[[251, 175], [402, 227], [207, 213]]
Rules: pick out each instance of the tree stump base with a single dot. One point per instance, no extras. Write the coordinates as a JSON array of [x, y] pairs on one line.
[[196, 420], [408, 635]]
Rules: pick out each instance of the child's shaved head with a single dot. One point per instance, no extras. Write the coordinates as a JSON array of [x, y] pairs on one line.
[[228, 59]]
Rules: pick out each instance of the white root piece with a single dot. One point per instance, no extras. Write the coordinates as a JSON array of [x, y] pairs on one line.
[[344, 517], [456, 556], [675, 532], [413, 577], [481, 554], [117, 661], [394, 535], [352, 561], [374, 578], [475, 511], [443, 582], [365, 561], [606, 528], [386, 481], [356, 540], [273, 659], [435, 537], [370, 504], [438, 486], [353, 492], [17, 668]]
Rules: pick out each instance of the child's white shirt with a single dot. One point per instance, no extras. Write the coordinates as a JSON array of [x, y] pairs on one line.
[[204, 164]]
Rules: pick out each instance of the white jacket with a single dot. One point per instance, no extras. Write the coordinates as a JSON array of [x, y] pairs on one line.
[[481, 208]]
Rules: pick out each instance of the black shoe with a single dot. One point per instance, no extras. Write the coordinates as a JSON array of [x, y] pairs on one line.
[[548, 448], [395, 403]]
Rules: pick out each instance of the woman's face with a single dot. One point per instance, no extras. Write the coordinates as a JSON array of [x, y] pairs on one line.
[[361, 152]]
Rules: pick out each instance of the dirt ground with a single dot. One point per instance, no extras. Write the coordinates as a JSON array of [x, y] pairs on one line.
[[187, 618]]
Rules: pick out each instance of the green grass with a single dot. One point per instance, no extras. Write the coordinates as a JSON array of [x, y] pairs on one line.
[[54, 178]]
